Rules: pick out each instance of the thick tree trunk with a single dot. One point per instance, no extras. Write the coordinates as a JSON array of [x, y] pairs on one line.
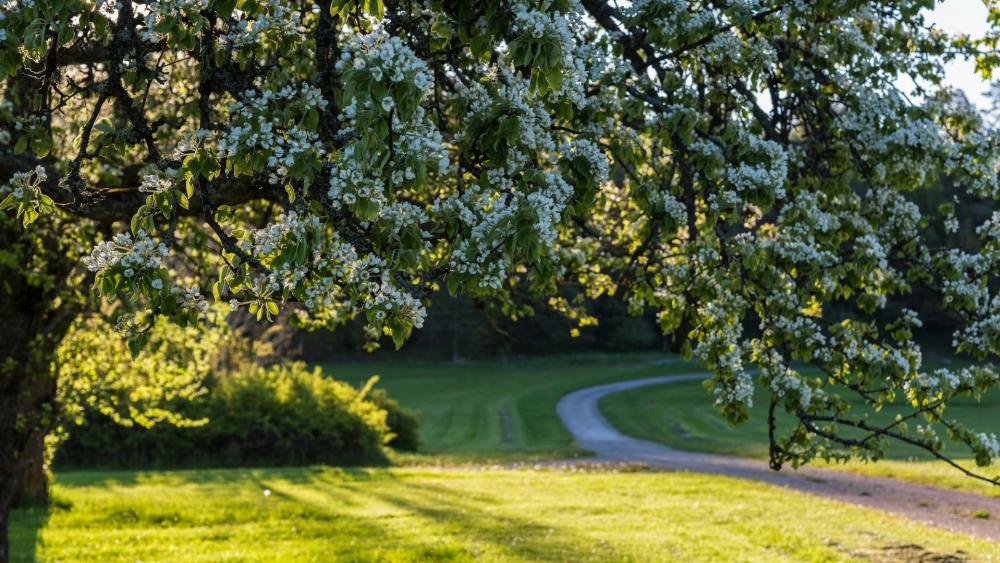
[[40, 298], [33, 480], [4, 535], [27, 486], [36, 315], [27, 413]]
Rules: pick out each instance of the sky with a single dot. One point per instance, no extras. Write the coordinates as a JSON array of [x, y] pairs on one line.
[[963, 16]]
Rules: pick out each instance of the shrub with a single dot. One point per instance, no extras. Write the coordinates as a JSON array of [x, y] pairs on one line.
[[281, 415], [403, 424], [290, 414]]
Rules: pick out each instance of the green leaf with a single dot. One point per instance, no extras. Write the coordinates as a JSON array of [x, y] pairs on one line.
[[42, 145], [225, 7], [30, 215], [223, 214], [554, 78], [310, 120], [398, 338], [136, 344], [137, 219]]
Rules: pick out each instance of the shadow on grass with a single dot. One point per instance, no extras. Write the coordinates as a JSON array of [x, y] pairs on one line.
[[344, 514], [461, 521], [25, 532], [120, 478]]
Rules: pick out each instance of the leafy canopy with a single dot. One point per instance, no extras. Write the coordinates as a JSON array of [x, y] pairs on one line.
[[747, 169]]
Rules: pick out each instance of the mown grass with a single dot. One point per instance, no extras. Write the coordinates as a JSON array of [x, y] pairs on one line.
[[681, 416], [493, 412], [412, 514], [496, 411], [477, 413]]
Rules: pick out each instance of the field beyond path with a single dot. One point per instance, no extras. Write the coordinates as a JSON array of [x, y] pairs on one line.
[[953, 510]]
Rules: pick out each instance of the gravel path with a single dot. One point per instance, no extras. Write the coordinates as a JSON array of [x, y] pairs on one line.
[[948, 509]]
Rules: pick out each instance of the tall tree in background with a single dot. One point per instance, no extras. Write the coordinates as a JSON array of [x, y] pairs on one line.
[[746, 168]]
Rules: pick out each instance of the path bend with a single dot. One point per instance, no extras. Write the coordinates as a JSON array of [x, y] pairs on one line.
[[953, 510]]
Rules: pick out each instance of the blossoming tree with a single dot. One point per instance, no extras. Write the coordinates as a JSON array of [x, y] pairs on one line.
[[749, 169]]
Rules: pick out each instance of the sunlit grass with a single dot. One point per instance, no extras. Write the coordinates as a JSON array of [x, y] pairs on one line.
[[681, 416], [320, 514], [937, 473], [429, 509]]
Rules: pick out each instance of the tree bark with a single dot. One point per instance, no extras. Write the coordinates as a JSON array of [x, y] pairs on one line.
[[27, 410], [37, 312], [4, 520], [40, 297], [34, 479]]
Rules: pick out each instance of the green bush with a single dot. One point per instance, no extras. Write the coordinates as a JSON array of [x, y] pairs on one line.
[[403, 424], [280, 415]]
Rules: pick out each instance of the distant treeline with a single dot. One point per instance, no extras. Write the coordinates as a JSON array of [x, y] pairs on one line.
[[458, 328]]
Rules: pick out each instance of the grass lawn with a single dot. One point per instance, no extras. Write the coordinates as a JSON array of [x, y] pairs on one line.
[[681, 416], [494, 411], [488, 412], [505, 412], [427, 514]]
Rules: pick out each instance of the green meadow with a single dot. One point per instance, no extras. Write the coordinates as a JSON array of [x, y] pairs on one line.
[[681, 415], [495, 411], [464, 498], [428, 514]]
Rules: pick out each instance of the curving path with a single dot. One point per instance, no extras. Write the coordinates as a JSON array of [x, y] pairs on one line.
[[939, 507]]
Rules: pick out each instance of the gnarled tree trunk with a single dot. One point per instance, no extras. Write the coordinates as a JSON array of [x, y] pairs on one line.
[[39, 299], [34, 481], [27, 410]]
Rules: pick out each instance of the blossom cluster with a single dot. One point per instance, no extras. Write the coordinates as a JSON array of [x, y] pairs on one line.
[[990, 444], [24, 193], [385, 299], [262, 130], [329, 278], [10, 8], [155, 183], [942, 379], [383, 110], [26, 185], [766, 168], [384, 57], [137, 257], [159, 10], [279, 19]]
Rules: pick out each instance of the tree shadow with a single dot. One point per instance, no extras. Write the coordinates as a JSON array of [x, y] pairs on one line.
[[128, 477], [26, 524], [463, 517], [358, 514]]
